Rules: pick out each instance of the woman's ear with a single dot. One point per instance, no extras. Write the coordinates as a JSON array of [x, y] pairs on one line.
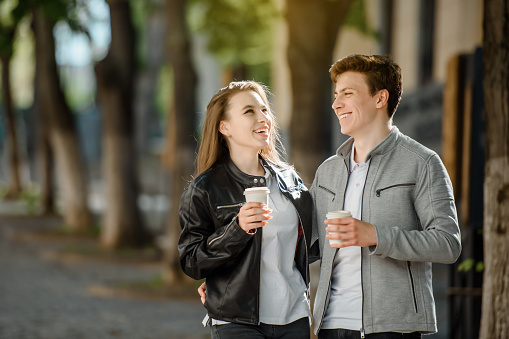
[[224, 128], [383, 98]]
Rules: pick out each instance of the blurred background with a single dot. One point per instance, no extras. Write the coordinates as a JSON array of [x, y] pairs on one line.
[[102, 103]]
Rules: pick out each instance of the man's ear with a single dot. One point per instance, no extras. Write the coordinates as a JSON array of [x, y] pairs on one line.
[[383, 98], [224, 128]]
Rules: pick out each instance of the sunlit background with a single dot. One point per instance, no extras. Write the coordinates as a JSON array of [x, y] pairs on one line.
[[437, 43]]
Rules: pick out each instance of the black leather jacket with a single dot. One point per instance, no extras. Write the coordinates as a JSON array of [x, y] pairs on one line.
[[213, 246]]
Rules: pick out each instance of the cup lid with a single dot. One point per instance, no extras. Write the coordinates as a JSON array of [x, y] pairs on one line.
[[257, 189]]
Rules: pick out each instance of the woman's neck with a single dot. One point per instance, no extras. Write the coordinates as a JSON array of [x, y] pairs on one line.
[[247, 162]]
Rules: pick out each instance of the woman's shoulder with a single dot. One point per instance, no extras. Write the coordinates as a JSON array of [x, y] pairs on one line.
[[213, 176]]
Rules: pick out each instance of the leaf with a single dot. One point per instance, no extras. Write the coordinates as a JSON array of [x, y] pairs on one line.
[[466, 265]]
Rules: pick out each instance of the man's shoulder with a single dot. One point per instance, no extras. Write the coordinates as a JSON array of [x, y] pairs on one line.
[[414, 148], [330, 165]]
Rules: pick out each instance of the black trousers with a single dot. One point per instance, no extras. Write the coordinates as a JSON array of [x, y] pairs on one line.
[[298, 329]]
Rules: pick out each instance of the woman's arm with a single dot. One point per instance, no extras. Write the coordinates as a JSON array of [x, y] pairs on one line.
[[203, 247]]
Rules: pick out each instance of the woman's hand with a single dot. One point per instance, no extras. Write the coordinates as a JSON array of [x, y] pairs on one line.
[[202, 291], [253, 215]]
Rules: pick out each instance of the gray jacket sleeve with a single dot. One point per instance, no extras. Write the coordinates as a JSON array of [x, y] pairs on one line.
[[439, 238]]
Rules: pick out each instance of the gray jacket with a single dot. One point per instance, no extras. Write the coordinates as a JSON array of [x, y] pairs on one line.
[[408, 197]]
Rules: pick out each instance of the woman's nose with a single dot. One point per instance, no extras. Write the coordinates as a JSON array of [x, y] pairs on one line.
[[263, 116]]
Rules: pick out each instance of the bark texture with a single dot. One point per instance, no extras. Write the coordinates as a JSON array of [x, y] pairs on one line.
[[495, 305], [313, 28], [15, 186], [181, 146], [60, 128], [122, 221]]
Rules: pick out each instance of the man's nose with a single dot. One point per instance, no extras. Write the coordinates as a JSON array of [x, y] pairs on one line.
[[336, 103]]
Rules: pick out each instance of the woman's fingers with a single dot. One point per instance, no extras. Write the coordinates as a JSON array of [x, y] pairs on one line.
[[253, 215]]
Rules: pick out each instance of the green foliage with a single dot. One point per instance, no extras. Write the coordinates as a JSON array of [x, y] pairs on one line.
[[239, 32], [164, 90], [357, 19], [8, 26], [469, 264], [54, 10]]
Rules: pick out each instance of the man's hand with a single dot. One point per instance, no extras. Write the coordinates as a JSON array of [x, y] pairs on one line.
[[202, 291], [354, 232]]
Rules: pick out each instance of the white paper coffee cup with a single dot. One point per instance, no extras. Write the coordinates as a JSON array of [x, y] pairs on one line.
[[337, 214], [258, 194]]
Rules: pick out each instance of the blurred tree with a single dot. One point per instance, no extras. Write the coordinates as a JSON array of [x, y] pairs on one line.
[[495, 297], [150, 22], [122, 224], [239, 33], [313, 29], [59, 123], [7, 32], [181, 143]]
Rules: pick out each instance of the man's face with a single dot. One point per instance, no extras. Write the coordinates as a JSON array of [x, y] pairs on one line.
[[354, 106]]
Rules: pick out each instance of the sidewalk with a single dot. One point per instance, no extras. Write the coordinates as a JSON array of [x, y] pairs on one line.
[[44, 295]]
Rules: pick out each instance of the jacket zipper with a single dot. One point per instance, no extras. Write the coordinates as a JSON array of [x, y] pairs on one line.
[[362, 286], [329, 191], [230, 206], [412, 284], [260, 276], [378, 191], [222, 234], [308, 280]]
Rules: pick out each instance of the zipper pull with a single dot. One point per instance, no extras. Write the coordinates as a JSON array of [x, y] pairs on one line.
[[362, 333]]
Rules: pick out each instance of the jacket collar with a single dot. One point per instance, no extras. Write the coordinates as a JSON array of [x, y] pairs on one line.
[[386, 145], [246, 179]]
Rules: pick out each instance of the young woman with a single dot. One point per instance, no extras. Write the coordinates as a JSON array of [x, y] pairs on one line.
[[255, 264]]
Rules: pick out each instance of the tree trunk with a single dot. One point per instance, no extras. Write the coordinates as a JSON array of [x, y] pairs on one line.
[[44, 158], [45, 161], [122, 221], [15, 187], [61, 129], [313, 28], [181, 128], [495, 303]]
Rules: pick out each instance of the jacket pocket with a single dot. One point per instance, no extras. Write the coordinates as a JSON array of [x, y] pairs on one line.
[[328, 191], [412, 285], [240, 204], [380, 190]]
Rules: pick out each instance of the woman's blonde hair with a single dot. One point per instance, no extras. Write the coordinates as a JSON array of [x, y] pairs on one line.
[[213, 144]]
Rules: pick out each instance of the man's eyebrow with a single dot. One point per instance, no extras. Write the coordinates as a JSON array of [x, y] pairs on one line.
[[345, 89]]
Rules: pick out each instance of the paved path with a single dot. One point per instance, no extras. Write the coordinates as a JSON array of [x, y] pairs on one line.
[[45, 298]]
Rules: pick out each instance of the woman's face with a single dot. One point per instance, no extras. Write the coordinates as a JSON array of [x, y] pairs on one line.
[[248, 123]]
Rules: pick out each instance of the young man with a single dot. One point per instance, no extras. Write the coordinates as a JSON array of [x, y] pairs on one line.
[[377, 283]]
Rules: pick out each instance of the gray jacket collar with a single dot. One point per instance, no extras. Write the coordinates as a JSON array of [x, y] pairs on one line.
[[386, 145]]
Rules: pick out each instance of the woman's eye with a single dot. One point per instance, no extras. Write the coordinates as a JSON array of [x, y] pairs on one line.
[[249, 111]]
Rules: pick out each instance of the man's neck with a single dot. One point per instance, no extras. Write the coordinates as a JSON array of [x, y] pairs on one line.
[[365, 142]]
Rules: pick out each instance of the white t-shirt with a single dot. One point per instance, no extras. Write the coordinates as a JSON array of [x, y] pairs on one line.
[[345, 304]]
